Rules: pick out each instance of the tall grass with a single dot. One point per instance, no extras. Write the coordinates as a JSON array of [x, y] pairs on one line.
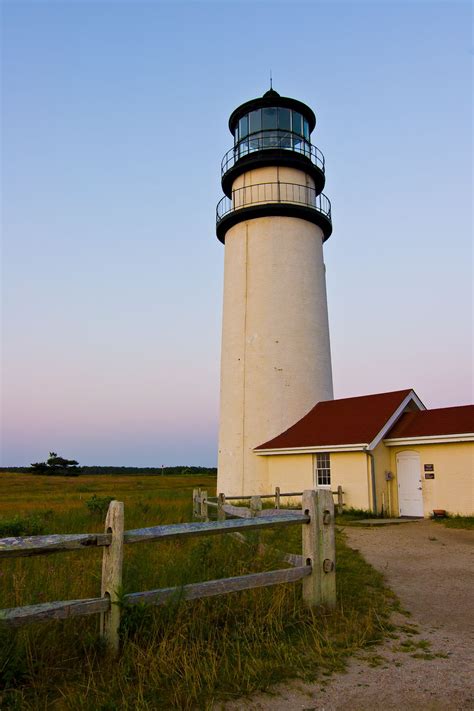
[[456, 521], [186, 654]]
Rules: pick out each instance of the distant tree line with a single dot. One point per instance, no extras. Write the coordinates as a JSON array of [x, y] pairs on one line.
[[72, 468], [153, 471]]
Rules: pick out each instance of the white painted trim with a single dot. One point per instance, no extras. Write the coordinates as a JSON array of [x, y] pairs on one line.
[[432, 439], [412, 396], [312, 450]]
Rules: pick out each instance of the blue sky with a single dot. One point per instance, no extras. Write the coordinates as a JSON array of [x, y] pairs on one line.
[[114, 125]]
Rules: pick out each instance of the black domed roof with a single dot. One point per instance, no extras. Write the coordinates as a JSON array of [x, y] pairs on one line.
[[271, 98]]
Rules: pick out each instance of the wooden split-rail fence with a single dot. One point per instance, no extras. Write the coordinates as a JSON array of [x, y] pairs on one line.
[[202, 502], [315, 567]]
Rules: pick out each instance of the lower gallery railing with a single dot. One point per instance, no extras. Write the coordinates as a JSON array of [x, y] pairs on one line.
[[266, 193], [315, 567]]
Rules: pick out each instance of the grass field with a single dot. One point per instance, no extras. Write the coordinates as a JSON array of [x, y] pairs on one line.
[[184, 655]]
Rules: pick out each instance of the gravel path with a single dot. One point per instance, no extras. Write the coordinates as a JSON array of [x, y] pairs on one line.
[[431, 569]]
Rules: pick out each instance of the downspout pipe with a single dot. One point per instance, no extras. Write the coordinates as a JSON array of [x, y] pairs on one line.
[[372, 479]]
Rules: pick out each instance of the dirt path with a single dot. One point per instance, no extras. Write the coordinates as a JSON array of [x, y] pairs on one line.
[[431, 569]]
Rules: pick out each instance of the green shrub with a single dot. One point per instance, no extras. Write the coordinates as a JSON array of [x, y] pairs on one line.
[[99, 504], [22, 526]]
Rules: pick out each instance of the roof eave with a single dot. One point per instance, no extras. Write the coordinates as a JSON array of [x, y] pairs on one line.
[[356, 447], [430, 439]]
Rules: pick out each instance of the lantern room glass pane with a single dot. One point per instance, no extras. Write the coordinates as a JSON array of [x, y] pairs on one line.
[[297, 123], [306, 129], [243, 127], [269, 118], [255, 121], [284, 119]]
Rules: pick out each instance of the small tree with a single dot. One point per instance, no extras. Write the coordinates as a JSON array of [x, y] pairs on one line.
[[57, 465], [54, 461]]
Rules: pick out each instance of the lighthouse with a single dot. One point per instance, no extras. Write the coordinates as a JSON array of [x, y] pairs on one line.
[[273, 221]]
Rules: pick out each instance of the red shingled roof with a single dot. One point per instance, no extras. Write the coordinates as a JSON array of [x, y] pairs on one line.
[[352, 420], [429, 423]]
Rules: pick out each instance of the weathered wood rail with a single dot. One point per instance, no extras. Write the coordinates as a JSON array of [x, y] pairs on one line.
[[44, 545], [315, 567], [201, 502]]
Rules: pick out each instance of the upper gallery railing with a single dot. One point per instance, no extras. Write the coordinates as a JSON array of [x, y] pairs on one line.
[[272, 140]]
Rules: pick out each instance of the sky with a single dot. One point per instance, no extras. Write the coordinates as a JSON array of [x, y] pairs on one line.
[[114, 123]]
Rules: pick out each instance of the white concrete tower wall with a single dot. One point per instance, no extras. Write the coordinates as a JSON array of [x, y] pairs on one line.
[[275, 360]]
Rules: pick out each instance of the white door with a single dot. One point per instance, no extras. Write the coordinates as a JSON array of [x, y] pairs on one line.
[[410, 493]]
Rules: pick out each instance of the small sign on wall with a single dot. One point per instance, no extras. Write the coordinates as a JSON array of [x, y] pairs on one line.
[[429, 471]]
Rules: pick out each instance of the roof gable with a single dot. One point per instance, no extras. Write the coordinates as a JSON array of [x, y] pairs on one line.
[[354, 420], [431, 423]]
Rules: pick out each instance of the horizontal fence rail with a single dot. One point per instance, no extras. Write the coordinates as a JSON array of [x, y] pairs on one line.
[[316, 564], [275, 140], [265, 193], [45, 545], [221, 499], [15, 547], [209, 528], [219, 587], [18, 616], [265, 496]]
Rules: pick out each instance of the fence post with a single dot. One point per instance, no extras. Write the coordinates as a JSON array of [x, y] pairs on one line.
[[340, 503], [255, 505], [277, 497], [112, 560], [311, 584], [196, 509], [220, 507], [326, 548], [204, 515]]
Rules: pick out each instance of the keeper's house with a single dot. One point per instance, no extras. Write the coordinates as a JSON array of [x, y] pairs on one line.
[[387, 451]]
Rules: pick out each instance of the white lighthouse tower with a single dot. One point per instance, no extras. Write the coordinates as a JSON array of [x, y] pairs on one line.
[[276, 359]]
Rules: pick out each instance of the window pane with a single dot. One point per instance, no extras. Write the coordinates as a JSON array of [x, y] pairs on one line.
[[243, 126], [297, 123], [271, 140], [306, 129], [323, 469], [269, 118], [255, 121], [284, 119], [256, 142], [297, 144], [243, 147]]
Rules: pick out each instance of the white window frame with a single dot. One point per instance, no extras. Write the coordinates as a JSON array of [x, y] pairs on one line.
[[322, 458]]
